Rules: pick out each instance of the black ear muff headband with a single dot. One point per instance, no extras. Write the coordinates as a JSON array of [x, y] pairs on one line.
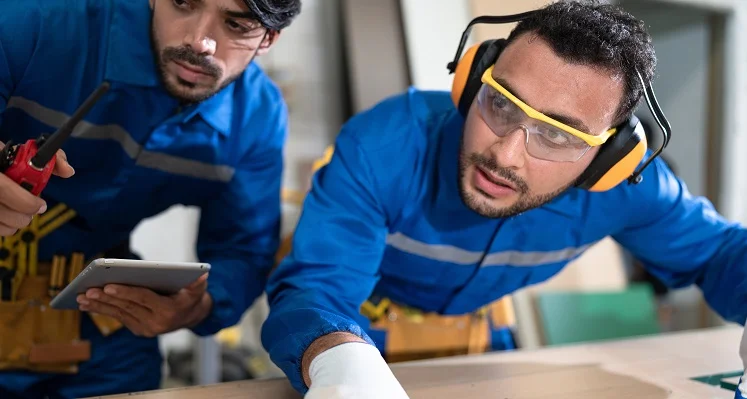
[[617, 158]]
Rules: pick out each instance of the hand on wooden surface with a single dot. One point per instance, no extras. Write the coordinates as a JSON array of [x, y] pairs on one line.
[[352, 370]]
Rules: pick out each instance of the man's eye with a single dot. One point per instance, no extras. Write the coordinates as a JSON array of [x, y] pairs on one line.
[[235, 26], [500, 101], [181, 3], [557, 137]]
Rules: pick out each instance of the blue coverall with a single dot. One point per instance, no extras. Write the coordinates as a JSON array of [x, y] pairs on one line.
[[385, 218], [138, 153]]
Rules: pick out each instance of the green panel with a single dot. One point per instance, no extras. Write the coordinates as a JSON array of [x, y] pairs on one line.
[[731, 383], [726, 380], [570, 317]]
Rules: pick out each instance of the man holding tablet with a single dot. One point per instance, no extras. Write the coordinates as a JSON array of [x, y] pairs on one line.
[[189, 119]]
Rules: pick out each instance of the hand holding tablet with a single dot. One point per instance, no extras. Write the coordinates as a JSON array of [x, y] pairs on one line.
[[148, 297]]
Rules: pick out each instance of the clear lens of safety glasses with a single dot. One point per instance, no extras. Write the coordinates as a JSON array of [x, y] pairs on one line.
[[543, 140]]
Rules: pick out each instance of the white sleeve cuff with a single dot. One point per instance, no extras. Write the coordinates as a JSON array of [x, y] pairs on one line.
[[353, 370]]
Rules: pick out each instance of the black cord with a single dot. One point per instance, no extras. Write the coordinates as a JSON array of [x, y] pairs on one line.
[[485, 19], [661, 120]]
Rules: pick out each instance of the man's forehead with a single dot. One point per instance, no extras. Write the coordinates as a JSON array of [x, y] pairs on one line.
[[535, 74], [229, 5]]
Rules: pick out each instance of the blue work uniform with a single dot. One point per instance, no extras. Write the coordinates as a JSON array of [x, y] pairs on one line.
[[385, 218], [137, 153]]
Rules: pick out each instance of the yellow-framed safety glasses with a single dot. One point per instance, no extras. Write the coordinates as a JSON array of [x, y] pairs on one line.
[[591, 139], [546, 138]]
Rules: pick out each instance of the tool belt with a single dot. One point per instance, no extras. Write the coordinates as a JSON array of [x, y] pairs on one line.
[[412, 334], [33, 336]]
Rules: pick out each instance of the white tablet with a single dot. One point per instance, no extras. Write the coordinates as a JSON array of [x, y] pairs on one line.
[[162, 277]]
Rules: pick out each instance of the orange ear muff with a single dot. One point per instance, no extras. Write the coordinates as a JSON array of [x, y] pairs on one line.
[[617, 158], [623, 169], [462, 73], [469, 70]]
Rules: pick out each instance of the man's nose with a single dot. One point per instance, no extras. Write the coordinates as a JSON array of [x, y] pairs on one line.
[[199, 38], [510, 149]]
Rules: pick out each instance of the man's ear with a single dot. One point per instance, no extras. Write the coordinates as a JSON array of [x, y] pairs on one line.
[[270, 38]]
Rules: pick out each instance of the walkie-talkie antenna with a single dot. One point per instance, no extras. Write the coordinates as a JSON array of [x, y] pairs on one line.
[[50, 146]]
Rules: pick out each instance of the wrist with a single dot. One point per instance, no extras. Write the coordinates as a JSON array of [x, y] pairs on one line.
[[353, 369], [322, 344], [201, 310]]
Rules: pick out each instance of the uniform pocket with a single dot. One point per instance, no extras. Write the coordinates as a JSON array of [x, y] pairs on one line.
[[16, 333], [35, 337], [429, 335]]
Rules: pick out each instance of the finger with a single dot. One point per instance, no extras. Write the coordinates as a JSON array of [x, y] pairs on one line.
[[94, 306], [141, 296], [194, 290], [15, 197], [13, 219], [132, 308], [7, 231], [198, 285], [62, 167]]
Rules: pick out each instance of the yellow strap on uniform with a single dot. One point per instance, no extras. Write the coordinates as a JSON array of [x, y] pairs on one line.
[[7, 243], [294, 197], [412, 314], [28, 250], [374, 312], [53, 219], [324, 160]]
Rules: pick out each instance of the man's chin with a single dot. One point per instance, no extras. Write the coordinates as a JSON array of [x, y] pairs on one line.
[[186, 92], [489, 207]]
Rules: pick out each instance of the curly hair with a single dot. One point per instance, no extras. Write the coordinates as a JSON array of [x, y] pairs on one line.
[[274, 14], [600, 35]]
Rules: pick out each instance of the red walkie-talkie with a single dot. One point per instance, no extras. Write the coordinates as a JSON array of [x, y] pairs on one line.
[[31, 164]]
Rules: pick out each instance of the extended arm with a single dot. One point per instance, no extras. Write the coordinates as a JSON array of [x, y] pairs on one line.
[[682, 240], [333, 267]]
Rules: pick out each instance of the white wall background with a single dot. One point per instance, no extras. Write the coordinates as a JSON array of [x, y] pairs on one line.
[[681, 83], [432, 30]]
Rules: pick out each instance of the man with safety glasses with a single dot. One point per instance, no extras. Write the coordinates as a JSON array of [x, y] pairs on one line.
[[446, 203]]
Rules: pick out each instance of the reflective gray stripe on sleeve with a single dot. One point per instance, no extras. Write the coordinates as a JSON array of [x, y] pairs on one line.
[[452, 254], [517, 258], [183, 166], [148, 159], [443, 253]]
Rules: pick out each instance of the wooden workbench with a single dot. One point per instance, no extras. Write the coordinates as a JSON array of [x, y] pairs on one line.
[[643, 368]]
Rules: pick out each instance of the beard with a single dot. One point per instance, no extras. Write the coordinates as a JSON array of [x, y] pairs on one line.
[[527, 200], [184, 91]]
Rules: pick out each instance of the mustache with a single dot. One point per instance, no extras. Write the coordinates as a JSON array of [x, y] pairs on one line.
[[508, 174], [186, 55]]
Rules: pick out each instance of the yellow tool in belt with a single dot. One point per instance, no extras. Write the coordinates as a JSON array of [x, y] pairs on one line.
[[33, 336], [19, 253]]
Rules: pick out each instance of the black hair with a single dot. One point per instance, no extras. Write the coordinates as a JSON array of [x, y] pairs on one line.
[[600, 35], [274, 14]]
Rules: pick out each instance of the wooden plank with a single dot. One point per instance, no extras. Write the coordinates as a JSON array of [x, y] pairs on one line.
[[661, 366]]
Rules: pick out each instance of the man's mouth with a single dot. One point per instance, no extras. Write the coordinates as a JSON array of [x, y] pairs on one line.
[[497, 180], [191, 68]]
